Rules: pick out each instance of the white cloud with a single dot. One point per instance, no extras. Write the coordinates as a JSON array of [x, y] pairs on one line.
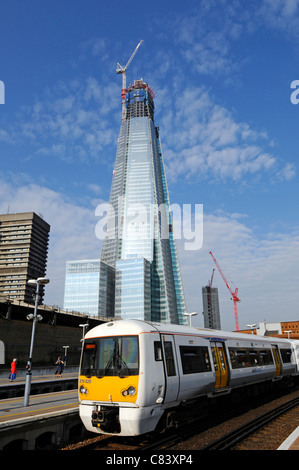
[[287, 173], [74, 120], [205, 36], [264, 269], [206, 140], [72, 233], [281, 15]]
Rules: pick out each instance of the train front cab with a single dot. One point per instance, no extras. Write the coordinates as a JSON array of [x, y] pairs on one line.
[[122, 381], [109, 377]]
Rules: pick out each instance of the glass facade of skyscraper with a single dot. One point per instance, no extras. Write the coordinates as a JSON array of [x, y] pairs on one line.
[[81, 292], [89, 287], [133, 289], [139, 241]]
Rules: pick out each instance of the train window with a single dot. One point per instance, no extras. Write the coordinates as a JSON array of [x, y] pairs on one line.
[[111, 356], [89, 356], [249, 357], [195, 359], [286, 355], [266, 357], [254, 359], [169, 359], [158, 350], [238, 357]]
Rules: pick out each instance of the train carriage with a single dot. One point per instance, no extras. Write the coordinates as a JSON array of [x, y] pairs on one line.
[[135, 375]]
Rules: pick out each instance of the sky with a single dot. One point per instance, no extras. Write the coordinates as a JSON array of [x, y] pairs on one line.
[[224, 74]]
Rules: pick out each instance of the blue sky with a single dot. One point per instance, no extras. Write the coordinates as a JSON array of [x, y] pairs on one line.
[[221, 71]]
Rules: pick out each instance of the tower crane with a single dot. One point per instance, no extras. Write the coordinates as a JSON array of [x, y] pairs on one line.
[[234, 293], [123, 70], [211, 281]]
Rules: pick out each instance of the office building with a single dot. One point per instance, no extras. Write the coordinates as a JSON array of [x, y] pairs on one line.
[[24, 240], [139, 242], [81, 290], [89, 287], [211, 311]]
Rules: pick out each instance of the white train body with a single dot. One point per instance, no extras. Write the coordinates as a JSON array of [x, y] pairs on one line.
[[295, 354], [134, 372]]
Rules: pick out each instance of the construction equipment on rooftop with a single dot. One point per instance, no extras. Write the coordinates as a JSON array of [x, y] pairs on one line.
[[234, 293], [212, 277], [123, 70]]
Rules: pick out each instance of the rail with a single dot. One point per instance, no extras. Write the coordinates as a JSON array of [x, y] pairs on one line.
[[233, 438]]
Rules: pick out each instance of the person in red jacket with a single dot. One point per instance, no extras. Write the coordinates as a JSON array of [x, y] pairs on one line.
[[13, 370]]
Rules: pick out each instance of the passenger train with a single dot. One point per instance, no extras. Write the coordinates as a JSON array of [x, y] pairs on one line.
[[137, 377]]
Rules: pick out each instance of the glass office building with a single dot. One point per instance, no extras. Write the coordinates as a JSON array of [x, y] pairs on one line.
[[81, 291], [89, 287], [139, 243], [133, 289]]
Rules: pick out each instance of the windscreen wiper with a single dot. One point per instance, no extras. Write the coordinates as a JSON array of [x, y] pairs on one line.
[[118, 363]]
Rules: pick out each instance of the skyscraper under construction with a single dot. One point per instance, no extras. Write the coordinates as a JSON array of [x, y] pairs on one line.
[[139, 255]]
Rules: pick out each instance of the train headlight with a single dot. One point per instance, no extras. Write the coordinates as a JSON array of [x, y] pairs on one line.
[[83, 390], [130, 391]]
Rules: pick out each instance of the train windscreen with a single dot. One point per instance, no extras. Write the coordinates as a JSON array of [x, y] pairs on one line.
[[110, 356]]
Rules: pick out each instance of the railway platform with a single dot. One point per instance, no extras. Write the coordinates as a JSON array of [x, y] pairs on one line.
[[292, 442], [39, 384], [13, 411], [48, 420]]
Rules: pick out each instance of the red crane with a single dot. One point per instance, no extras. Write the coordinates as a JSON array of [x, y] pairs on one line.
[[234, 294]]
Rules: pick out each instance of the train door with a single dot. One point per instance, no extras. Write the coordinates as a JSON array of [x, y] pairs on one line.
[[220, 364], [276, 358], [171, 369]]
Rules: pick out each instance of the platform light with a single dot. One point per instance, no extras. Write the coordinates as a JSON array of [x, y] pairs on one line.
[[31, 316], [252, 326], [190, 315], [84, 326]]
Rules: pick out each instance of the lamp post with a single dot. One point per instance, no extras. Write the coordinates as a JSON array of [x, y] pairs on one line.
[[65, 354], [190, 315], [288, 332], [252, 327], [85, 325], [32, 282]]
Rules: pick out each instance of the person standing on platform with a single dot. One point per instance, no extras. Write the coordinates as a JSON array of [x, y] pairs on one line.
[[13, 370], [59, 369]]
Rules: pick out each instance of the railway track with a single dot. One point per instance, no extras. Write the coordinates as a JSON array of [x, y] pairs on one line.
[[238, 430], [263, 432]]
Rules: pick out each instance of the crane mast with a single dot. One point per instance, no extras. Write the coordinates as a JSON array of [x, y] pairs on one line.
[[234, 293], [212, 277], [123, 70]]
